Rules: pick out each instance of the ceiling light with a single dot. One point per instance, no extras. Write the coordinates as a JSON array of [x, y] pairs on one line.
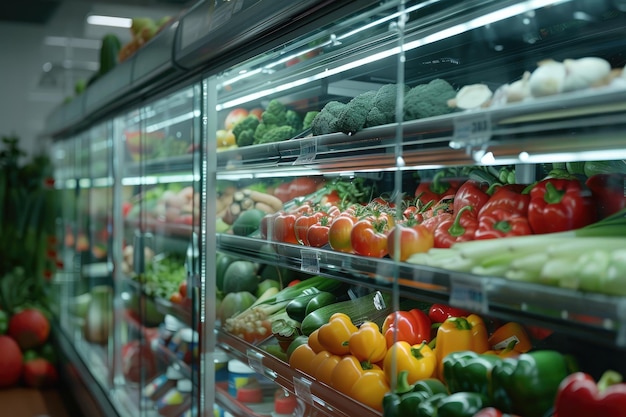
[[118, 22]]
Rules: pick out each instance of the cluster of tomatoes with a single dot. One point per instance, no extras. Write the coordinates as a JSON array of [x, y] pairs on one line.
[[374, 229]]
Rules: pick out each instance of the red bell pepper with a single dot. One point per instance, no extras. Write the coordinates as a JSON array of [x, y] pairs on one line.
[[471, 193], [461, 228], [499, 223], [438, 313], [558, 205], [609, 192], [508, 197], [580, 396], [411, 326], [434, 190]]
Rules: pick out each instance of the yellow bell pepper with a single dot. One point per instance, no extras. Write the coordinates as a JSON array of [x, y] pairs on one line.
[[460, 333], [347, 372], [511, 335], [324, 371], [301, 358], [334, 336], [418, 360], [370, 389], [368, 343], [314, 342]]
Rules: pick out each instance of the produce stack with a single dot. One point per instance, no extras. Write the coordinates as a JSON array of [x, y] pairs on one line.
[[27, 356], [422, 360]]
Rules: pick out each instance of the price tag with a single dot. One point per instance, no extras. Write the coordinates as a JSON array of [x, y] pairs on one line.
[[310, 261], [302, 387], [471, 130], [308, 151], [255, 361], [469, 294]]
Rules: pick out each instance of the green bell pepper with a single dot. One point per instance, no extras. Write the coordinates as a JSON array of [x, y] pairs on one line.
[[391, 405], [527, 385], [462, 404], [468, 371], [410, 402], [428, 407], [430, 385], [405, 398]]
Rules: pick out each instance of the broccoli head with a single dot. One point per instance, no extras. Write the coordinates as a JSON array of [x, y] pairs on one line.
[[245, 127], [261, 130], [245, 138], [277, 134], [275, 113], [383, 110], [325, 121], [293, 119], [427, 100], [352, 118], [308, 119]]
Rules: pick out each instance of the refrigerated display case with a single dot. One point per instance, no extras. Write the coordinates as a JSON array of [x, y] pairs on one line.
[[398, 155]]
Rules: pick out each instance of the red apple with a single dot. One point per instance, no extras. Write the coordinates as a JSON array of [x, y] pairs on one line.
[[257, 111], [234, 116]]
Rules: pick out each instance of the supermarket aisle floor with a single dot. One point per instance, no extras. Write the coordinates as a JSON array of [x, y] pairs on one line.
[[25, 402]]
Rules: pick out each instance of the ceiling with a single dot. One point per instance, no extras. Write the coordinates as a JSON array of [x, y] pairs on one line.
[[36, 12], [39, 12]]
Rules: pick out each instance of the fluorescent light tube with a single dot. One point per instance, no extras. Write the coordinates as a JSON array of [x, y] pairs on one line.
[[118, 22]]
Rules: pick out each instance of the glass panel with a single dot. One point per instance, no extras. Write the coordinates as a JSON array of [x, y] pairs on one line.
[[160, 254]]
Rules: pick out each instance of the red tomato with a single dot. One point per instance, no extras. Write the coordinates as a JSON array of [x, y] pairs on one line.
[[317, 234], [369, 237], [302, 186], [176, 298], [330, 198], [302, 225], [266, 227], [294, 282], [284, 228], [182, 289], [339, 233], [282, 192], [413, 239]]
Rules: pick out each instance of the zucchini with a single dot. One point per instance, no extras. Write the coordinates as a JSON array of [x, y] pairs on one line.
[[371, 307]]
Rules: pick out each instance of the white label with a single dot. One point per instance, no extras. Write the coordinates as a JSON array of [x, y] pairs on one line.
[[310, 261], [471, 130], [308, 151], [469, 294]]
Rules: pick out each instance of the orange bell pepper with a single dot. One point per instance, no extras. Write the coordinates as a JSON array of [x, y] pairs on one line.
[[368, 343], [510, 335], [460, 333], [370, 389], [301, 358], [347, 372], [418, 360], [334, 336]]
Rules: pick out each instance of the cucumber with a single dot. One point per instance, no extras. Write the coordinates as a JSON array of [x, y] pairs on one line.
[[371, 307], [109, 51], [592, 168]]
